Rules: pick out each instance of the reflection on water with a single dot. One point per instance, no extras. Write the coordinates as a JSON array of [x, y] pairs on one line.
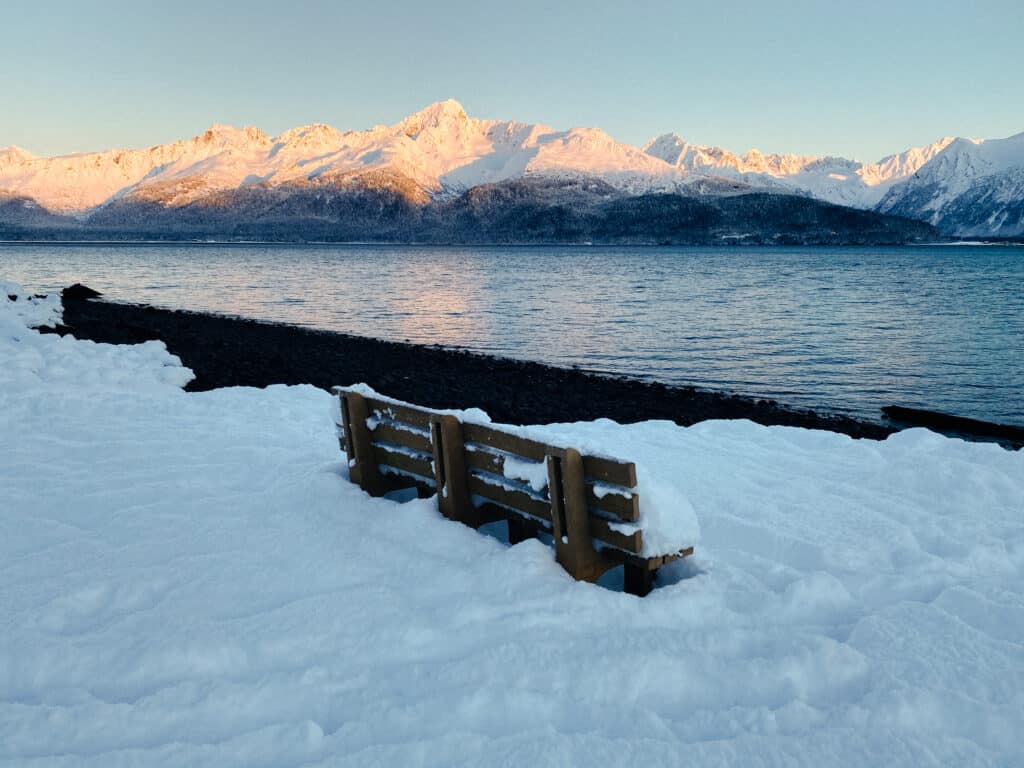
[[848, 328], [434, 303]]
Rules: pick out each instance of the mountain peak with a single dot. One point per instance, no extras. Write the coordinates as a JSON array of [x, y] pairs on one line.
[[310, 134], [666, 147], [440, 113], [15, 154], [229, 134]]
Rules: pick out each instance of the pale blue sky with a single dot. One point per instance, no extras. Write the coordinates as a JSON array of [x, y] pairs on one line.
[[861, 79]]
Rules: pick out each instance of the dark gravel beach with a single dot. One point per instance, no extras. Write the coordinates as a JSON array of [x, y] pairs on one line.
[[227, 351]]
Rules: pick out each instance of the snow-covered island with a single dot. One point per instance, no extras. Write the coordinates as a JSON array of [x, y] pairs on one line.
[[190, 579]]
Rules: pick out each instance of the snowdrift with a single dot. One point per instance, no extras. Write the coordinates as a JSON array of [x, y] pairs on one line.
[[189, 579]]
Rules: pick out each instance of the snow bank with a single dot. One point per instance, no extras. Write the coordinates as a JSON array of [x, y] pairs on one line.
[[31, 362], [190, 579], [19, 308]]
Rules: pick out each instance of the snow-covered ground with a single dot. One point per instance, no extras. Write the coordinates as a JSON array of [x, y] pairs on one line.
[[190, 580]]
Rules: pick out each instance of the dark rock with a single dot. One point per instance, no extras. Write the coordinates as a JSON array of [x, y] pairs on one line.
[[955, 425], [79, 292]]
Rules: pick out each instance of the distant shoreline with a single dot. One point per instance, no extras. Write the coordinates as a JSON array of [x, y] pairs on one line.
[[399, 244]]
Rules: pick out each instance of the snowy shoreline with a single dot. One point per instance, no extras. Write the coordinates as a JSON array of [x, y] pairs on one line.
[[190, 579]]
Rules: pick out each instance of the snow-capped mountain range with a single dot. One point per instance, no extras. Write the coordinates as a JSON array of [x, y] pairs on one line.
[[964, 187], [834, 179]]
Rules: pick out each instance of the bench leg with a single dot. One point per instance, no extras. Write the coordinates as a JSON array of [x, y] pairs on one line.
[[637, 580], [517, 530]]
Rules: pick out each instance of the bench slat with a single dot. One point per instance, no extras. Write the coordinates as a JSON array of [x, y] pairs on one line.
[[509, 443], [391, 434], [403, 461], [610, 471], [619, 507], [496, 512], [485, 460], [406, 414], [601, 530], [509, 498], [595, 467]]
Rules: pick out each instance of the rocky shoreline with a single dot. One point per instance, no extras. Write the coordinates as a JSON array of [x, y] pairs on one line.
[[228, 351], [225, 351]]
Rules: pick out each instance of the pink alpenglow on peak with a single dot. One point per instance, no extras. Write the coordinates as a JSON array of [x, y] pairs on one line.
[[442, 151]]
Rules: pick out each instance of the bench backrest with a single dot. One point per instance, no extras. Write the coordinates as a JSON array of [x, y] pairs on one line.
[[481, 473]]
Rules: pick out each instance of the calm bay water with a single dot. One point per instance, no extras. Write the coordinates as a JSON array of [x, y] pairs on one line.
[[846, 329]]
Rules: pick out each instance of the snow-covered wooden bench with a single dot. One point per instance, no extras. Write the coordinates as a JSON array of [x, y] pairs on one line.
[[589, 505]]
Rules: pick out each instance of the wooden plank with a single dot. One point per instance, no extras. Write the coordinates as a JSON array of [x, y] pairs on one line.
[[414, 464], [485, 460], [509, 498], [601, 530], [494, 463], [406, 414], [651, 563], [619, 507], [387, 433], [599, 468], [509, 443], [610, 471]]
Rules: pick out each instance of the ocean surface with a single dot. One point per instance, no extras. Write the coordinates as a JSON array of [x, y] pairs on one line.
[[839, 329]]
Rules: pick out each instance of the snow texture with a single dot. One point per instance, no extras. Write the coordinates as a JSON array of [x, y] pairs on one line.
[[972, 187], [605, 489], [833, 179], [30, 360], [190, 579], [533, 473]]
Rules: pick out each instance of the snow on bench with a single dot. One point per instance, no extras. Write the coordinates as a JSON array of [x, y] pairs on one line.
[[589, 504]]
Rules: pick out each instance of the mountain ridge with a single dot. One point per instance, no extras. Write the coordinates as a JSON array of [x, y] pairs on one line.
[[441, 153]]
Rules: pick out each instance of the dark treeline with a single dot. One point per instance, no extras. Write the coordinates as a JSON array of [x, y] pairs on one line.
[[521, 211]]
